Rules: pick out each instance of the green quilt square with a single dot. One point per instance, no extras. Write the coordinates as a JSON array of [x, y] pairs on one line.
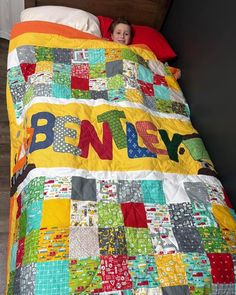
[[109, 215], [33, 191], [31, 247], [138, 241], [80, 94], [164, 106], [84, 275], [43, 54], [22, 224], [97, 71], [129, 54], [196, 148], [115, 82]]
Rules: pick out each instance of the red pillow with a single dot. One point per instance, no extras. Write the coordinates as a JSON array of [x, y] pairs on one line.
[[143, 35]]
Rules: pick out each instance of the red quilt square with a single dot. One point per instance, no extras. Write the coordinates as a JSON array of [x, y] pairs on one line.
[[79, 83], [27, 70], [222, 268], [134, 215], [80, 71], [20, 252], [115, 273], [19, 206], [147, 88], [159, 80]]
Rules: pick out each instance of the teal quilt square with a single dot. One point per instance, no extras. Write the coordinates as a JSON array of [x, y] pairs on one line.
[[153, 192], [96, 56], [13, 256], [52, 278], [145, 74], [61, 91], [34, 215], [162, 92], [31, 247]]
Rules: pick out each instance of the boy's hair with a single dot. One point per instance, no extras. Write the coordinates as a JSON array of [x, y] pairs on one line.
[[119, 20]]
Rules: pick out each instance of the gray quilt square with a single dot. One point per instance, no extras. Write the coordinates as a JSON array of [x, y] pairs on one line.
[[114, 67], [188, 239], [27, 278], [42, 89], [150, 102], [223, 289], [181, 215], [16, 285], [197, 191], [99, 94], [83, 189], [17, 92], [130, 191], [62, 55], [26, 54], [176, 290]]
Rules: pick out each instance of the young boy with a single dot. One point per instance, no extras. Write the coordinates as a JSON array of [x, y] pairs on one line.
[[121, 31]]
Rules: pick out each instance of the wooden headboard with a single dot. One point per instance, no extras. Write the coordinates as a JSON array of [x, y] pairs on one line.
[[143, 12]]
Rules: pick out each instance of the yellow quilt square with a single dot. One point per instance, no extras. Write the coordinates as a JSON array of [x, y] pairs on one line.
[[134, 95], [56, 213], [171, 270], [172, 83], [44, 66]]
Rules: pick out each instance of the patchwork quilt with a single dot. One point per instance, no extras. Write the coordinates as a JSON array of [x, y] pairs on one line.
[[112, 189]]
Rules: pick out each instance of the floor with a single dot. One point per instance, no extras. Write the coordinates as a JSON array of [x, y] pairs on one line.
[[4, 165]]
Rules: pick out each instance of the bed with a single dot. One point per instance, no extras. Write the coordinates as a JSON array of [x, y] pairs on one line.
[[112, 189]]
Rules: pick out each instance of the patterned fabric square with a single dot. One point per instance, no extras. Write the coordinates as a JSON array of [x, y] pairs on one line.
[[147, 88], [96, 56], [80, 83], [212, 240], [13, 256], [112, 241], [150, 102], [109, 215], [164, 242], [27, 70], [130, 72], [144, 74], [41, 89], [197, 191], [129, 55], [17, 92], [107, 190], [198, 271], [159, 80], [83, 213], [181, 215], [62, 55], [138, 241], [196, 148], [153, 192], [114, 68], [115, 82], [80, 70], [27, 279], [112, 54], [180, 108], [44, 67], [134, 95], [230, 238], [61, 75], [144, 291], [83, 242], [11, 283], [115, 273], [171, 270], [116, 95], [22, 224], [43, 53], [130, 191], [52, 278], [84, 275], [175, 290], [219, 289], [57, 187], [143, 271], [216, 194], [83, 189], [15, 76], [188, 239], [99, 84], [97, 70], [164, 106], [222, 268], [16, 284], [26, 54], [99, 94], [31, 247], [56, 213], [53, 244], [157, 216], [81, 94], [172, 83], [20, 252], [134, 215], [61, 91], [34, 215], [202, 216], [80, 56], [33, 191]]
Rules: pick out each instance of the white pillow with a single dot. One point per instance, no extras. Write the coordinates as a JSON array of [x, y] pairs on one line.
[[75, 18]]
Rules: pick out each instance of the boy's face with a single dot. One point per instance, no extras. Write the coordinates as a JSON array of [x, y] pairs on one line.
[[121, 34]]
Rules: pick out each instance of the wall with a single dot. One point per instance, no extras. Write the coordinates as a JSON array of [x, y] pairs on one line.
[[203, 35], [9, 15]]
